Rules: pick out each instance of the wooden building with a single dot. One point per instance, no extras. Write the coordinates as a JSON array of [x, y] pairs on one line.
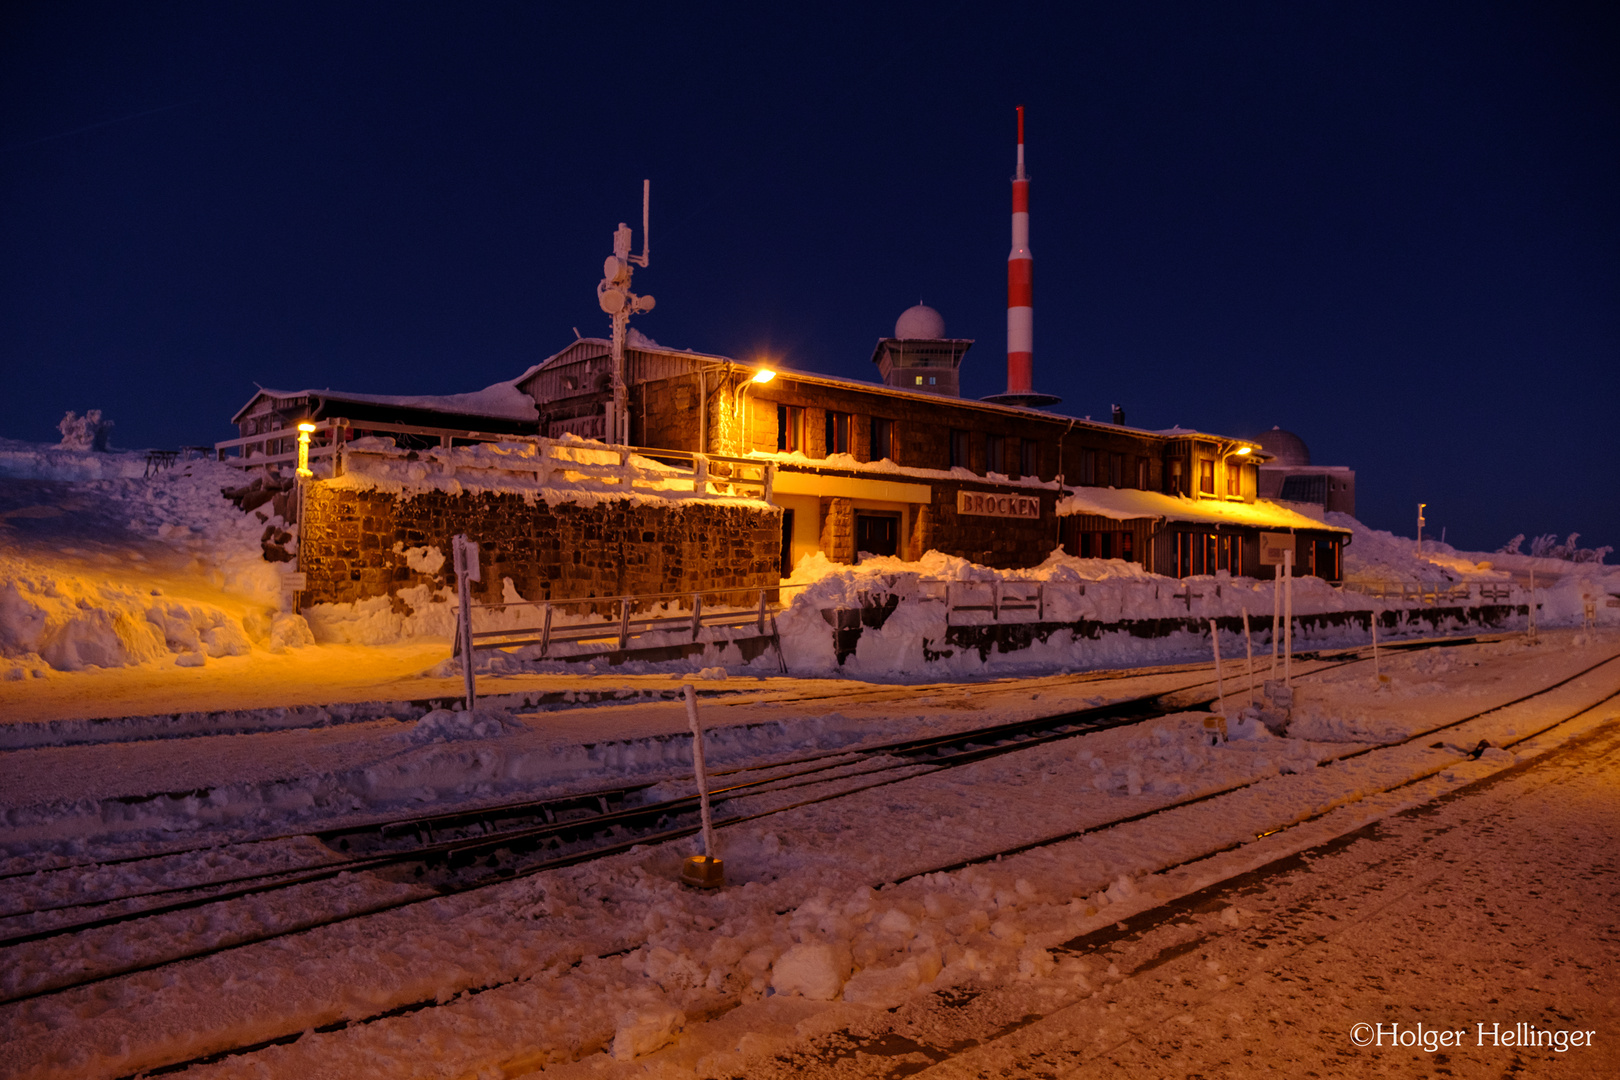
[[901, 468]]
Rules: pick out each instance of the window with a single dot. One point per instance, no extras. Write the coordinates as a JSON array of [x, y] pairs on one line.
[[1088, 467], [1234, 478], [882, 439], [1206, 475], [1142, 473], [960, 456], [995, 454], [1031, 463], [1116, 470], [790, 429], [837, 432], [919, 380], [1172, 478]]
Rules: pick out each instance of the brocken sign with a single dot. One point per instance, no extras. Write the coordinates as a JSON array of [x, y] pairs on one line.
[[986, 505]]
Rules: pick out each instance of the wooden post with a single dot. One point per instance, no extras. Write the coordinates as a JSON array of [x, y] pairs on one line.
[[1374, 621], [467, 571], [1288, 620], [697, 615], [761, 626], [545, 628], [624, 623], [706, 870], [1248, 647]]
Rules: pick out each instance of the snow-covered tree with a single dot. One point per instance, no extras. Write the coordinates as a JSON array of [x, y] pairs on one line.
[[87, 432], [1541, 547], [1512, 546]]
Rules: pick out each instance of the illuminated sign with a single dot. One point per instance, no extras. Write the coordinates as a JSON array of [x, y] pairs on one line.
[[986, 504]]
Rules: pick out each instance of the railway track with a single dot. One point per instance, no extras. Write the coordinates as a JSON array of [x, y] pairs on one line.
[[977, 754], [492, 854], [1415, 738]]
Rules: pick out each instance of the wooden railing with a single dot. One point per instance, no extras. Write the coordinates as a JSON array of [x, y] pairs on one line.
[[557, 622]]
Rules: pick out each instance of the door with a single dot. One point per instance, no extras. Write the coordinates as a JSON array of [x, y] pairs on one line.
[[877, 534]]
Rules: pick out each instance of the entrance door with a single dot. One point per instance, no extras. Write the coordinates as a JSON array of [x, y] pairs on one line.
[[877, 534]]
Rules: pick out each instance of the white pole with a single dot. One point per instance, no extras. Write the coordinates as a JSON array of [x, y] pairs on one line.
[[698, 770], [1248, 647], [1288, 619], [1276, 614], [1220, 684], [1532, 608]]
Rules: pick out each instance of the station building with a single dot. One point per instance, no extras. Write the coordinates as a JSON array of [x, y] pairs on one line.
[[907, 465], [897, 467]]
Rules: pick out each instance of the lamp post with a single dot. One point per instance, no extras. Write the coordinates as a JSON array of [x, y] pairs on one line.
[[305, 430], [1420, 529], [761, 377]]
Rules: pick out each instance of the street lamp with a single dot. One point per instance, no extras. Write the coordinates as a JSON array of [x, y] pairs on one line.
[[305, 429], [1420, 529]]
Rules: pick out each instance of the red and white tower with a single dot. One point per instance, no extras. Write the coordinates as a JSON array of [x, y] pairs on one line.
[[1021, 297]]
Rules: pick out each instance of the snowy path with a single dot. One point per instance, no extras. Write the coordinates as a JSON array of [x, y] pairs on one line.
[[1498, 905], [614, 956]]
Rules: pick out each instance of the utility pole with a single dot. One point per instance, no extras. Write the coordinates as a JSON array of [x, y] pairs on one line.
[[1420, 529]]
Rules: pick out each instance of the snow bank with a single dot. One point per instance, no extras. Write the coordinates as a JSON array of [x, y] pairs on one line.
[[104, 566]]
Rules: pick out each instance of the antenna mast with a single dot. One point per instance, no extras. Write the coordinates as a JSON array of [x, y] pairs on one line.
[[614, 295]]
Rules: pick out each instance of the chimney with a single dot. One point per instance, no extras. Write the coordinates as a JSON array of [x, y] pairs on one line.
[[1119, 415]]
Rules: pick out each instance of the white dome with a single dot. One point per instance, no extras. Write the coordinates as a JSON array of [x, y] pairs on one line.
[[921, 321]]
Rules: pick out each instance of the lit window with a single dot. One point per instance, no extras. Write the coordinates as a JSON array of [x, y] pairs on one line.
[[919, 380], [1206, 476], [930, 380]]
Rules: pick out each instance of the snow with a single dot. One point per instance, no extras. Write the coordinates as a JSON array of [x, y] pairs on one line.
[[834, 912], [1124, 504], [502, 399], [566, 469]]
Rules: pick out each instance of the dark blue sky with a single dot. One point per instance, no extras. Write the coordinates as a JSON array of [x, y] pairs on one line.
[[1391, 228]]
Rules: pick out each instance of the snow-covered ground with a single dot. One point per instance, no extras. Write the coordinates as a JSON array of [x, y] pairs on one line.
[[160, 701], [833, 911]]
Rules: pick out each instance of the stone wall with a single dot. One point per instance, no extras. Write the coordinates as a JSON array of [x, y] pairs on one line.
[[613, 548]]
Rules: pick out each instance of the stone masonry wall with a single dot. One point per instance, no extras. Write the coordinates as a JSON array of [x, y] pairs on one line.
[[568, 551]]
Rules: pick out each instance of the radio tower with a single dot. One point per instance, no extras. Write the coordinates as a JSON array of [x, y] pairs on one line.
[[1021, 298]]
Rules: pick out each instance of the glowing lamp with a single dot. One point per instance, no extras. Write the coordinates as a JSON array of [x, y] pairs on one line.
[[764, 375], [1245, 450], [304, 431]]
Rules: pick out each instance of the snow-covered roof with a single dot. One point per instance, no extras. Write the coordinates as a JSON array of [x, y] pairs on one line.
[[1124, 504], [503, 400]]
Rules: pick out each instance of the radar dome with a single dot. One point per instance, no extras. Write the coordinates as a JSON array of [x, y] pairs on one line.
[[920, 322], [1288, 448]]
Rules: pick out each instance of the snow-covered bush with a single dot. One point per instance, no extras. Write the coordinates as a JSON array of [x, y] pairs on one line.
[[87, 432], [1547, 547]]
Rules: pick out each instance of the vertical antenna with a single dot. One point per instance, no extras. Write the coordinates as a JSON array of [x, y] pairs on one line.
[[646, 200], [1020, 175]]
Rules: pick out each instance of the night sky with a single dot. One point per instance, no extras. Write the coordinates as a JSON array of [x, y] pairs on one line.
[[1390, 228]]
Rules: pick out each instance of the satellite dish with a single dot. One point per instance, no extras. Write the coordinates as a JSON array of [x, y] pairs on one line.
[[612, 300], [613, 268], [643, 303]]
